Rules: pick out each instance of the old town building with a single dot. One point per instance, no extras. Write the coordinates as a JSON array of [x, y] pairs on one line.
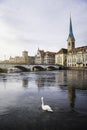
[[24, 59], [44, 57], [49, 58], [72, 57], [61, 57], [39, 57]]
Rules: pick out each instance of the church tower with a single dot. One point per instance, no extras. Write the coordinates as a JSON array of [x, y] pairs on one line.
[[71, 39]]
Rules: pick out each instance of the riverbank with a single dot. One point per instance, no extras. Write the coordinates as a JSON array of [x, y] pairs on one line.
[[76, 68]]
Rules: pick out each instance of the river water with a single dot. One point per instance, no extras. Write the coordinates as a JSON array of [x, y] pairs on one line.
[[64, 90]]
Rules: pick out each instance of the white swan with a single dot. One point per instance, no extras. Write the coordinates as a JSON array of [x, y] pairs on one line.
[[45, 107]]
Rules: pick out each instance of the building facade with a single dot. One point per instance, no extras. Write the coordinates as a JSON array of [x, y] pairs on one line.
[[39, 57], [44, 57], [72, 57], [61, 57], [24, 59], [77, 57], [49, 58]]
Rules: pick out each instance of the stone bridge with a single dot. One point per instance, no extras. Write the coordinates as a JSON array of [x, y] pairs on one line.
[[28, 67]]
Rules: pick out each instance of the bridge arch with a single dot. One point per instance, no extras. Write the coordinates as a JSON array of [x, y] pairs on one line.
[[37, 68], [3, 70], [22, 68], [51, 68]]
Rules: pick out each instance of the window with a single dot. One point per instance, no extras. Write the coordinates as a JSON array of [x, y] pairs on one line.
[[69, 43]]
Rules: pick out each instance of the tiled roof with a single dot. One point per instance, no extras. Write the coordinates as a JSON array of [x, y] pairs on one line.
[[42, 52], [47, 52], [50, 53], [81, 48], [62, 51]]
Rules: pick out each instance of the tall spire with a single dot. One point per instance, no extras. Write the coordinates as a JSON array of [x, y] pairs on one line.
[[70, 29], [71, 39]]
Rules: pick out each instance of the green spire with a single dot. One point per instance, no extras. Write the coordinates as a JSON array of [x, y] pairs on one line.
[[70, 29]]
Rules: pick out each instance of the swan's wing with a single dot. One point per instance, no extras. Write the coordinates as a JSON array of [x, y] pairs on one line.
[[48, 108]]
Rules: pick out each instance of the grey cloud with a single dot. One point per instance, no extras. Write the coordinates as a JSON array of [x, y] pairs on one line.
[[43, 23]]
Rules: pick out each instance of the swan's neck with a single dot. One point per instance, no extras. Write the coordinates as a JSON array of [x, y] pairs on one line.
[[42, 101]]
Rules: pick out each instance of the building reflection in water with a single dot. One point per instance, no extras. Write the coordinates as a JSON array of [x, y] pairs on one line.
[[4, 80], [72, 96], [65, 81], [25, 82], [45, 80], [40, 82], [71, 81], [61, 79]]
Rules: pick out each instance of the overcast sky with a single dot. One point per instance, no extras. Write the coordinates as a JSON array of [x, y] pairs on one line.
[[44, 24]]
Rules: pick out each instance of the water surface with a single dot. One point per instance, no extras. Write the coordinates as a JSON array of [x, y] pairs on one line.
[[20, 100]]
